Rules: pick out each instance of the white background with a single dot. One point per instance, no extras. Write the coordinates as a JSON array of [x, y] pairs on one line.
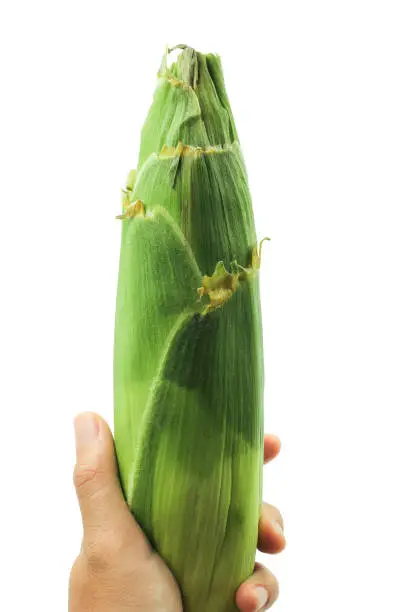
[[319, 92]]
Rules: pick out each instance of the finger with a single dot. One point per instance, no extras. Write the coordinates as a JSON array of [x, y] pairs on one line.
[[272, 446], [271, 538], [259, 592], [100, 497]]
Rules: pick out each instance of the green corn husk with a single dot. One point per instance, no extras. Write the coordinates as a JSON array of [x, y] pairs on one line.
[[188, 368]]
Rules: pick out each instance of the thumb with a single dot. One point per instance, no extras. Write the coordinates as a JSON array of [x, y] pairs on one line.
[[100, 497]]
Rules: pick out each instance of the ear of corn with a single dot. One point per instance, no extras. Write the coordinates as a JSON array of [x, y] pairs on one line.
[[188, 349], [190, 106]]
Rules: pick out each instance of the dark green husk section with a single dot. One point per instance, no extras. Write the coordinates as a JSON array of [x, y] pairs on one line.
[[189, 385]]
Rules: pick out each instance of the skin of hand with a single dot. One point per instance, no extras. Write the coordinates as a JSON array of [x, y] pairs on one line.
[[117, 570]]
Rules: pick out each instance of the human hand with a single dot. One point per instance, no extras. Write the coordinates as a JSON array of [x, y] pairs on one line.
[[117, 570]]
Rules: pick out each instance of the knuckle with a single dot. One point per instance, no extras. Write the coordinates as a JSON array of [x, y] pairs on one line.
[[74, 573], [85, 475], [98, 561], [102, 554], [78, 578]]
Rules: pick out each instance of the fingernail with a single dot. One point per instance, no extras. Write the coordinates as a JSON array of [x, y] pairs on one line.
[[86, 429], [279, 529], [262, 597]]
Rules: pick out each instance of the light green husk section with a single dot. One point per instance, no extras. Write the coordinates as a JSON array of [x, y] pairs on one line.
[[189, 379]]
